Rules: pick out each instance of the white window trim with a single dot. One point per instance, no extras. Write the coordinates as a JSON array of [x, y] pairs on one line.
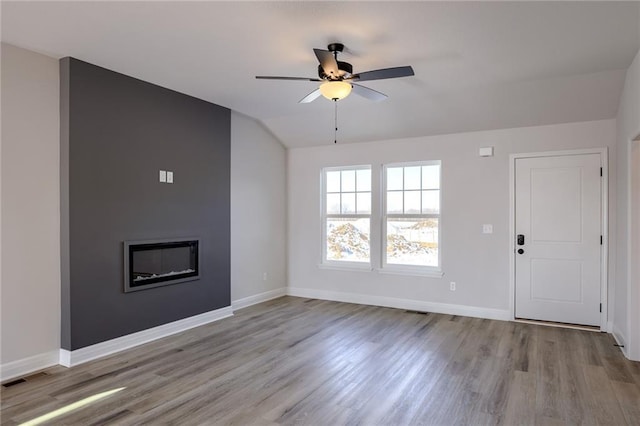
[[346, 266], [410, 270], [398, 269], [342, 264]]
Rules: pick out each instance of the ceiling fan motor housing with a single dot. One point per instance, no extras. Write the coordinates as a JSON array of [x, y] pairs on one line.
[[345, 70]]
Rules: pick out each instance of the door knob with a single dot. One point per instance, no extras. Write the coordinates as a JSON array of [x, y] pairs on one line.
[[520, 251]]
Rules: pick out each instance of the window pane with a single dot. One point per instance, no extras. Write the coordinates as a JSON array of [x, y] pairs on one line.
[[363, 180], [333, 181], [412, 242], [348, 239], [348, 203], [364, 202], [394, 178], [412, 202], [333, 203], [431, 177], [431, 202], [348, 181], [394, 202], [412, 177]]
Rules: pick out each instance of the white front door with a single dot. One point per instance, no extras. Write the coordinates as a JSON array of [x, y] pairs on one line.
[[558, 238]]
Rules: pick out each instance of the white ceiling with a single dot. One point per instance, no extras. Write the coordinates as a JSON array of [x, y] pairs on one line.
[[478, 65]]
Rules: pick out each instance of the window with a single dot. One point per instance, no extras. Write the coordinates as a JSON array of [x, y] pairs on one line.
[[411, 215], [347, 214], [393, 227]]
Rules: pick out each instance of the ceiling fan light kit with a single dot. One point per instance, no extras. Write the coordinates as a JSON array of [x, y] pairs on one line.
[[335, 90]]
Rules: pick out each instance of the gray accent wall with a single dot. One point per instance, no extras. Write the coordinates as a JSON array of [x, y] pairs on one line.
[[117, 133]]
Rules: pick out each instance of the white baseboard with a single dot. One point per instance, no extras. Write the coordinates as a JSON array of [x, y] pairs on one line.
[[99, 350], [258, 298], [26, 366], [620, 340], [392, 302]]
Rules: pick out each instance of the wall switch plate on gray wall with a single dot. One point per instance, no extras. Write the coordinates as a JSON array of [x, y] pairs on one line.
[[166, 176]]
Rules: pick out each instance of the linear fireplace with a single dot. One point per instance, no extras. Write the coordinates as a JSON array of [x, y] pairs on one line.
[[155, 263]]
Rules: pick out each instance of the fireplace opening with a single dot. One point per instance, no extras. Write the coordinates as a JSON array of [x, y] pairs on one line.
[[150, 264]]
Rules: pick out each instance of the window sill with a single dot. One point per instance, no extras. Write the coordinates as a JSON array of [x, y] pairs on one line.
[[346, 267], [411, 272]]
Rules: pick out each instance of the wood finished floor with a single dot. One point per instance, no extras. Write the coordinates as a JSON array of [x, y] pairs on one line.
[[305, 361]]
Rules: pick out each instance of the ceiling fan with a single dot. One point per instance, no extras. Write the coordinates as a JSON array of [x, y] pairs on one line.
[[338, 79]]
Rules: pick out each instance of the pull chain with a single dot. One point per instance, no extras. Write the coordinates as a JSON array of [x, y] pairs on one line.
[[335, 120]]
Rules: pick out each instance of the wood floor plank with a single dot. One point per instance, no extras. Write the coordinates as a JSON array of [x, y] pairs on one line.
[[574, 392], [520, 407], [548, 379], [628, 396], [304, 361], [605, 406]]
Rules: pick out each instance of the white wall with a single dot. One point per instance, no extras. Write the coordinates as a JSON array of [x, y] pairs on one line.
[[475, 191], [258, 212], [627, 318], [30, 278]]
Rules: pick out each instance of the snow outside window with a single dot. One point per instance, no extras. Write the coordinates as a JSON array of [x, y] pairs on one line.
[[347, 215], [411, 236]]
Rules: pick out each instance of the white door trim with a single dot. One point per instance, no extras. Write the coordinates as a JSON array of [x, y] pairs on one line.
[[633, 287], [604, 226]]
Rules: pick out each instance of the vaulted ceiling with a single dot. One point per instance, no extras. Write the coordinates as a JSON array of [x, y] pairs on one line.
[[478, 65]]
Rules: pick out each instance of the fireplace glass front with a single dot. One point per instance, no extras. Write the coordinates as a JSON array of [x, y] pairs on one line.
[[150, 264]]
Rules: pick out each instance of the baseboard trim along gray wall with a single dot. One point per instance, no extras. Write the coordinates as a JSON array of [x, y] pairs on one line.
[[117, 133]]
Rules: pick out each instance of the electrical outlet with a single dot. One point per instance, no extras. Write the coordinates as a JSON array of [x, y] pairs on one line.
[[452, 286], [264, 276]]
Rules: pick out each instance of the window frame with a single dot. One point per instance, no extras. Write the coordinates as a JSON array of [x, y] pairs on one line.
[[324, 216], [394, 268]]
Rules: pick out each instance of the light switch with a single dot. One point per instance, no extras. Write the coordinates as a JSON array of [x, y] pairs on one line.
[[169, 177], [487, 229], [163, 176]]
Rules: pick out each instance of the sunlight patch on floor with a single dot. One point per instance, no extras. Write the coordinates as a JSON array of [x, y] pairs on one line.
[[71, 407]]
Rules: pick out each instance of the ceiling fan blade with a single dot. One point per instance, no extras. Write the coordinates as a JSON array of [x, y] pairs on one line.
[[368, 93], [269, 77], [384, 73], [328, 62], [310, 97]]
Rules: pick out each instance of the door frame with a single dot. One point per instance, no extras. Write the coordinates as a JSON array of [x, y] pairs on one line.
[[633, 286], [604, 225]]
